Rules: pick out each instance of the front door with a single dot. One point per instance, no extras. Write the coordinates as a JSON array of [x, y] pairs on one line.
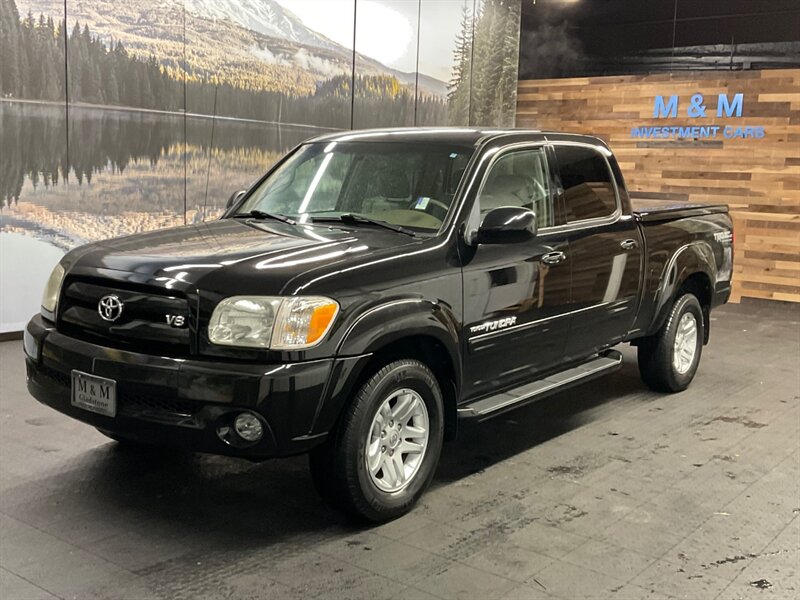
[[515, 294]]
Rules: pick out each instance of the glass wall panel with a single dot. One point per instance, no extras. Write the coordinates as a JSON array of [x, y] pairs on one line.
[[386, 62], [125, 116], [445, 62], [495, 58], [261, 77], [33, 145]]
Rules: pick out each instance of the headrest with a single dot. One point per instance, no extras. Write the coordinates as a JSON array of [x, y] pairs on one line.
[[513, 189]]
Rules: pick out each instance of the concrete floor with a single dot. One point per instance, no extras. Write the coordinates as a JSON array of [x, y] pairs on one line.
[[606, 491]]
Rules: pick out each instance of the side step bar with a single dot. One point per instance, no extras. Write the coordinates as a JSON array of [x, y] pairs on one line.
[[609, 361]]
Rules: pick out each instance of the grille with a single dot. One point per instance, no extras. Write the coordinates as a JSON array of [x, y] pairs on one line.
[[159, 409], [135, 403], [141, 326]]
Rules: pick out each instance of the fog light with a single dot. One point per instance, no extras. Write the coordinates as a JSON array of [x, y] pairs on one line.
[[248, 427]]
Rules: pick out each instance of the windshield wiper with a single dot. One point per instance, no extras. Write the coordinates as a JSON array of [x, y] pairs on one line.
[[353, 219], [260, 214]]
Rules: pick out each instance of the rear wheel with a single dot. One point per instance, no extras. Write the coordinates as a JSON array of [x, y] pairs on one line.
[[669, 359], [383, 454]]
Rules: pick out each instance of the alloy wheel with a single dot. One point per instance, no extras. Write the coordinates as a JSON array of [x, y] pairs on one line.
[[398, 438], [685, 346]]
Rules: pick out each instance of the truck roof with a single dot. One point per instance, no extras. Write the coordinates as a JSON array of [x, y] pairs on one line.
[[471, 136]]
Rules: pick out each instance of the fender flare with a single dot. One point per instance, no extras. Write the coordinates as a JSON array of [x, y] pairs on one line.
[[399, 318], [389, 321], [690, 259]]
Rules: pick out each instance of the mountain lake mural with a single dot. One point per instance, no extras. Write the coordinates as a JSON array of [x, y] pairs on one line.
[[118, 118]]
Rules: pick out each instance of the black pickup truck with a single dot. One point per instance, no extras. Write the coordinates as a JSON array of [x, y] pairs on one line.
[[370, 291]]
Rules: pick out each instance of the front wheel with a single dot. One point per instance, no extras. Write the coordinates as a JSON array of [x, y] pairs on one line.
[[668, 360], [383, 454]]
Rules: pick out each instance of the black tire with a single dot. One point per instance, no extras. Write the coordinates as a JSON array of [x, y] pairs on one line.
[[338, 467], [656, 352]]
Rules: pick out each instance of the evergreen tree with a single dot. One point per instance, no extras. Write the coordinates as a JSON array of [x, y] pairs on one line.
[[10, 46], [509, 75], [458, 89], [483, 88], [76, 61], [34, 51]]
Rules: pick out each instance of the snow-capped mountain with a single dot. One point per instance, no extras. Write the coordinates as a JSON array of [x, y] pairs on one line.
[[263, 16], [258, 42]]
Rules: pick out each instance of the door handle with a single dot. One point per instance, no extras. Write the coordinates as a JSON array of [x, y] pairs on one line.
[[629, 244], [553, 258]]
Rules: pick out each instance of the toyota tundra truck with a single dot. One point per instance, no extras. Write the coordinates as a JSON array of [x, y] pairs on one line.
[[373, 290]]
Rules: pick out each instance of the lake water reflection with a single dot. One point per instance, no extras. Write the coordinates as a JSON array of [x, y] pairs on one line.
[[114, 172]]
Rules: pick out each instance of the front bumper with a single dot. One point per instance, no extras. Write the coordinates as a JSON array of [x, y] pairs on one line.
[[184, 402]]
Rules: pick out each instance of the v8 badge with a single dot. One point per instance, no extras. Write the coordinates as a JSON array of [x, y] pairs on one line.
[[176, 320]]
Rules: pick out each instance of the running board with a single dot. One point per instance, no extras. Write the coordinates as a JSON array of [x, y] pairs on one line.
[[609, 361]]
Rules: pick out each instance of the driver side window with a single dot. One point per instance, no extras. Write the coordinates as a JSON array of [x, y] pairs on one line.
[[520, 178]]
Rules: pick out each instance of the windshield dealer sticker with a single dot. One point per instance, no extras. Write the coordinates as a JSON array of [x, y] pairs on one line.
[[422, 203]]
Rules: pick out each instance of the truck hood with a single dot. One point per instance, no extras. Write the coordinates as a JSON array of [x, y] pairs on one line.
[[242, 256]]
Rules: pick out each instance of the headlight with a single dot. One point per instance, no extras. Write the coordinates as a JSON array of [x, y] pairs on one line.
[[272, 322], [52, 289]]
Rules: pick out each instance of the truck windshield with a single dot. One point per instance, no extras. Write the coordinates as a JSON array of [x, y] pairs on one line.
[[408, 185]]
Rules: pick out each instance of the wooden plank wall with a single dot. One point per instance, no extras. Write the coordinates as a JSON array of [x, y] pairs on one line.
[[758, 178]]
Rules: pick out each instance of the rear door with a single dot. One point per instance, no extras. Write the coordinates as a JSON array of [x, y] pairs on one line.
[[605, 250], [515, 294]]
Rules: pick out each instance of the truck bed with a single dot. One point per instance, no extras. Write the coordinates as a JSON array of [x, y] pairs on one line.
[[660, 209]]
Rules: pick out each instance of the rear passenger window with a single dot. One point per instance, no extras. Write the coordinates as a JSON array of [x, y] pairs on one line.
[[588, 189]]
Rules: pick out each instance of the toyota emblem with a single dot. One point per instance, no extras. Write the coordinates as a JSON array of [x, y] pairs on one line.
[[110, 307]]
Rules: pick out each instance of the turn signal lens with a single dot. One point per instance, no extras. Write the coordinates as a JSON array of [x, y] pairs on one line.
[[321, 319], [303, 322]]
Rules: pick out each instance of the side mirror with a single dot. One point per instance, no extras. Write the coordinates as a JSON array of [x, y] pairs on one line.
[[235, 196], [507, 224]]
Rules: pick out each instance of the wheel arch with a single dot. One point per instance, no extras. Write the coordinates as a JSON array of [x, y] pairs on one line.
[[691, 269], [405, 328], [431, 352]]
